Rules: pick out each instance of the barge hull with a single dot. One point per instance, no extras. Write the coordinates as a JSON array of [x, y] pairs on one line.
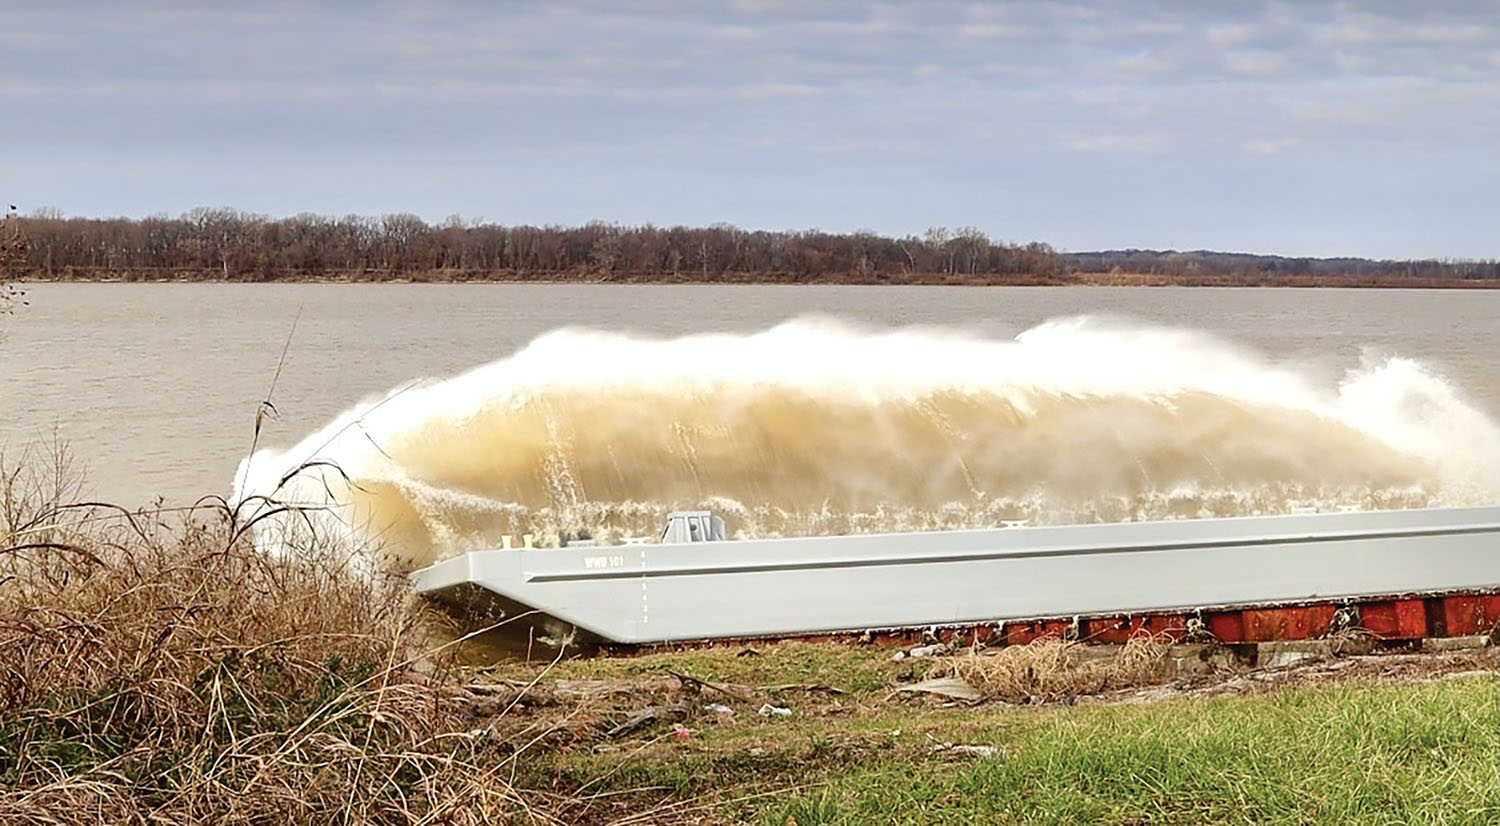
[[1401, 574]]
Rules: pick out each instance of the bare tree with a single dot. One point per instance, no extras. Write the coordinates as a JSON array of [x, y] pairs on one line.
[[974, 246], [13, 252], [606, 252], [939, 244]]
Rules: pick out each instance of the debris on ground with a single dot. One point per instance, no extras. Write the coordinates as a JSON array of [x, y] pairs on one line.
[[961, 749], [922, 652], [811, 688], [954, 687], [1384, 666], [645, 716], [1469, 675], [695, 685], [656, 703]]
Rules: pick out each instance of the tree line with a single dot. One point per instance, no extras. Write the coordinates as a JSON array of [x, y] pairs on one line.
[[229, 244], [1196, 262]]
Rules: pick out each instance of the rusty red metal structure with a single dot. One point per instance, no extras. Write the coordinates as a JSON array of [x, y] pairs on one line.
[[1394, 619]]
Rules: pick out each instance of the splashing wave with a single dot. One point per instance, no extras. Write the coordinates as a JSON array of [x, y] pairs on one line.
[[815, 426]]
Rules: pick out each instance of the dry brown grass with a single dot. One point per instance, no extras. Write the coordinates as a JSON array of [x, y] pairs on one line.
[[1049, 669], [157, 669]]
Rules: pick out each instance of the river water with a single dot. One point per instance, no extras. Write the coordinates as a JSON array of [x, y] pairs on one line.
[[155, 386]]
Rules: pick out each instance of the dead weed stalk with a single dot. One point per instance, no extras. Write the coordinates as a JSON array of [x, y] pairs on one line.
[[1050, 669], [155, 668]]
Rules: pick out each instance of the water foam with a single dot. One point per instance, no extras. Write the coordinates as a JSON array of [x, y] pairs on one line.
[[815, 426]]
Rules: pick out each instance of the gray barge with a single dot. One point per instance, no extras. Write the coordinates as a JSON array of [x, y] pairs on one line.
[[1409, 573]]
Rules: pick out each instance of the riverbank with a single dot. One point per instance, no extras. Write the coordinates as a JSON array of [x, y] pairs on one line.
[[157, 665], [593, 276], [818, 734]]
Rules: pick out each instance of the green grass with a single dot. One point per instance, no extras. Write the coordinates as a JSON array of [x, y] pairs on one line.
[[1355, 751], [856, 669], [1340, 754]]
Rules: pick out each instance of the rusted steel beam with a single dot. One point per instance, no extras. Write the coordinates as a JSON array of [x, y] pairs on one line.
[[1391, 618]]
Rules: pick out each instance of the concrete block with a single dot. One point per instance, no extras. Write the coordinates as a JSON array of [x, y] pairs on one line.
[[1291, 652], [1185, 659], [1449, 645]]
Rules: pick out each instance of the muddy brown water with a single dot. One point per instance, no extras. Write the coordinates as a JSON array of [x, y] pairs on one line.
[[155, 386]]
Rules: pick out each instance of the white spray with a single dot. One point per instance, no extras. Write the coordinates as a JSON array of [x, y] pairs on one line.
[[814, 427]]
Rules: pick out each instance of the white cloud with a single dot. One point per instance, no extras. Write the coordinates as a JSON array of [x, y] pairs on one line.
[[761, 91], [1263, 63], [995, 31], [1272, 146], [1455, 33], [953, 86], [1233, 34], [1115, 143], [1145, 63]]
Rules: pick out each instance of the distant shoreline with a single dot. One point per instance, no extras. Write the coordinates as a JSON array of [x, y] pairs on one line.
[[226, 245], [1080, 279]]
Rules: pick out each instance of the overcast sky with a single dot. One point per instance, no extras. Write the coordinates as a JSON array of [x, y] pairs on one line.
[[1369, 128]]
